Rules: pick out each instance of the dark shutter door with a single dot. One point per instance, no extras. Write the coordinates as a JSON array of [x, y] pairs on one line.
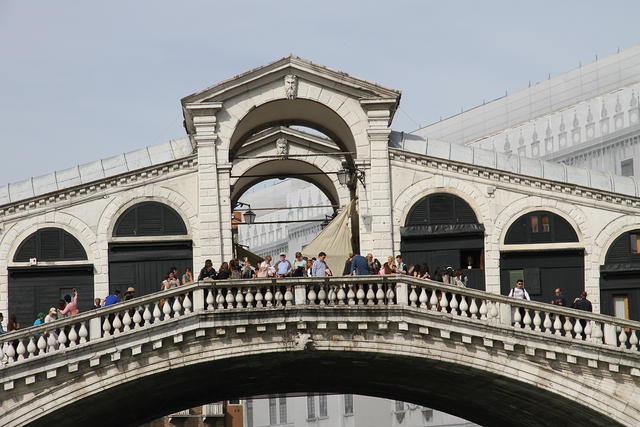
[[34, 289]]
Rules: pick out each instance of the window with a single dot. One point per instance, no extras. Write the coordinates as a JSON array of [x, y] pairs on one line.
[[626, 167], [621, 306], [348, 404], [311, 407], [634, 240], [283, 410], [534, 224], [249, 412], [545, 224], [273, 415], [323, 405]]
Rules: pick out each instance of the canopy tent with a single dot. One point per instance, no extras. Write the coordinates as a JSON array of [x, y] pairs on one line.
[[334, 240], [241, 253]]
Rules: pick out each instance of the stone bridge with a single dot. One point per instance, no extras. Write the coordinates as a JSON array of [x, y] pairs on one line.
[[485, 357]]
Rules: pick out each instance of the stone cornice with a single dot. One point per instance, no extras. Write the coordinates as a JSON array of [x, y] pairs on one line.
[[514, 178], [93, 187]]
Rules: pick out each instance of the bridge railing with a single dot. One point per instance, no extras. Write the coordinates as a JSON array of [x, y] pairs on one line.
[[278, 294]]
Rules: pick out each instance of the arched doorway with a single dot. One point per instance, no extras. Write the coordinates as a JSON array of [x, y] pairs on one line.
[[60, 265], [620, 277], [147, 239], [542, 249], [442, 230]]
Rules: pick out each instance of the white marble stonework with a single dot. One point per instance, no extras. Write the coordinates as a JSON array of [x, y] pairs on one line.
[[233, 128]]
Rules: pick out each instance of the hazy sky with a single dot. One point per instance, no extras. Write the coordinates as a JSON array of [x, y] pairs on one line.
[[81, 80]]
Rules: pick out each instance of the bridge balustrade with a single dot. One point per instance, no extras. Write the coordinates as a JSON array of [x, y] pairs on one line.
[[318, 293]]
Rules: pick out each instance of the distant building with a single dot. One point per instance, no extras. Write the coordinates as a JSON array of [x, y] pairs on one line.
[[318, 410]]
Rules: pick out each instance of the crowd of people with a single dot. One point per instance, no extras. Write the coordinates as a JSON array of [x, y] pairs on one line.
[[300, 266]]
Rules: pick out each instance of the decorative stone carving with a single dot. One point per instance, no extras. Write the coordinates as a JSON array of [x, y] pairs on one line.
[[282, 148], [291, 86]]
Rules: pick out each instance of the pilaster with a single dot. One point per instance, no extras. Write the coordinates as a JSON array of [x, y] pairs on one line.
[[209, 201], [377, 214]]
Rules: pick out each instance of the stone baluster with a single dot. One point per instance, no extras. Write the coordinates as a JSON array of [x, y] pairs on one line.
[[229, 298], [473, 308], [557, 325], [537, 321], [568, 327], [116, 324], [268, 297], [146, 315], [423, 298], [379, 295], [433, 300], [312, 296], [278, 297], [333, 296], [106, 327], [259, 298], [210, 300], [187, 304], [493, 311], [517, 317], [21, 350], [126, 322], [371, 296], [157, 313], [464, 306], [577, 329], [351, 296], [137, 318], [166, 309], [239, 298], [249, 298], [454, 304], [444, 302], [633, 340], [526, 320], [322, 295], [390, 295], [32, 348], [588, 330], [220, 300], [547, 323], [288, 297], [596, 333], [10, 352], [483, 310], [73, 336], [622, 338], [52, 341], [42, 345], [360, 294], [413, 297]]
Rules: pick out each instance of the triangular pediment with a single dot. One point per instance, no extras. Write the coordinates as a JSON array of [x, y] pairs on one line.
[[324, 76]]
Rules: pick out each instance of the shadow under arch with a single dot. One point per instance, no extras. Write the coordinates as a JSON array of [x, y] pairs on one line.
[[289, 168], [286, 112], [474, 394]]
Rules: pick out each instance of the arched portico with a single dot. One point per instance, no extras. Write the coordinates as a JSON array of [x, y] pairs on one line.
[[353, 113]]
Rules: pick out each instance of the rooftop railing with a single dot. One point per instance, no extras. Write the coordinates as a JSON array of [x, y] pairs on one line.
[[318, 293]]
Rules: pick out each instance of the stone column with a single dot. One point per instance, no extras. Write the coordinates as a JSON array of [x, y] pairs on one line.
[[379, 203], [209, 209]]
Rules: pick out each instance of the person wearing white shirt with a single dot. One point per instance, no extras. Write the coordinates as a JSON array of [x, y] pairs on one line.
[[519, 291]]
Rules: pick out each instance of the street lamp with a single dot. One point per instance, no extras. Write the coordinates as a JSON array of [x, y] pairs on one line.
[[348, 175], [249, 217], [344, 175]]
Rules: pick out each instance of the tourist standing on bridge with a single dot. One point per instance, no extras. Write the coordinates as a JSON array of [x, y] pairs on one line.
[[283, 266], [71, 308], [187, 277], [112, 299], [39, 320], [519, 291], [224, 272], [559, 299], [248, 272], [359, 265], [319, 267], [299, 266], [582, 303], [2, 331], [347, 266], [96, 303], [266, 269], [401, 267], [13, 324], [207, 273]]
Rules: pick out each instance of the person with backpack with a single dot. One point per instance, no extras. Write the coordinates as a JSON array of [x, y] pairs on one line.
[[519, 291]]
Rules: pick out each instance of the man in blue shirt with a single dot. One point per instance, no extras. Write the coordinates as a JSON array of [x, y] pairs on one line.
[[319, 267], [360, 265], [112, 299], [39, 320], [283, 267]]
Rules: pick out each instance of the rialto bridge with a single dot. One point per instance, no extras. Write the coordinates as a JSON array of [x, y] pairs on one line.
[[485, 357]]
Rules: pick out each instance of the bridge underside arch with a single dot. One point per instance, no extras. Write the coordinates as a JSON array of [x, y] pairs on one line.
[[469, 393]]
